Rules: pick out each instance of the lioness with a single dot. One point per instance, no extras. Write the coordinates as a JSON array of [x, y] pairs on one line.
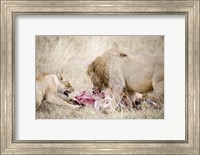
[[47, 88]]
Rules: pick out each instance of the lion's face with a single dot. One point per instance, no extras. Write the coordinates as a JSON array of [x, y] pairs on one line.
[[67, 87]]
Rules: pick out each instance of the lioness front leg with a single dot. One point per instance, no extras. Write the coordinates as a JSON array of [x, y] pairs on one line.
[[54, 98], [64, 97]]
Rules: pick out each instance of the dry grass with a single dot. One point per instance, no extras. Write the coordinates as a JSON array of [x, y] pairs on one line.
[[70, 55]]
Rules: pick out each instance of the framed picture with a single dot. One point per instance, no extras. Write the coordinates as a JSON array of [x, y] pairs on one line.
[[100, 77]]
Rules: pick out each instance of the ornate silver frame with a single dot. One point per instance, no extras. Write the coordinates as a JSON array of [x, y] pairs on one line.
[[9, 9]]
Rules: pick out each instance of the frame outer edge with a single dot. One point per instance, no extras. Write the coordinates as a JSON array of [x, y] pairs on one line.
[[3, 70], [6, 97], [197, 77], [9, 78]]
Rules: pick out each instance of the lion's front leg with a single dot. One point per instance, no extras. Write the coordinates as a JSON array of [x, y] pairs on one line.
[[121, 97], [54, 98], [126, 98], [118, 87]]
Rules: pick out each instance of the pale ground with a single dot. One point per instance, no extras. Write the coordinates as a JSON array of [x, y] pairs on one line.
[[70, 55]]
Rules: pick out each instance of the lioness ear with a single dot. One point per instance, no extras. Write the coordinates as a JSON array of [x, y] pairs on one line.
[[60, 77], [123, 55]]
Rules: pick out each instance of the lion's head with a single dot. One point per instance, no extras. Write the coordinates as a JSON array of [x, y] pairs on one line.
[[98, 70]]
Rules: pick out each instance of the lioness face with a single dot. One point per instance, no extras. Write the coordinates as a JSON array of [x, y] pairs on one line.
[[67, 87]]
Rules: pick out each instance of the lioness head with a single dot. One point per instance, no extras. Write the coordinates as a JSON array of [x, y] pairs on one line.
[[67, 87]]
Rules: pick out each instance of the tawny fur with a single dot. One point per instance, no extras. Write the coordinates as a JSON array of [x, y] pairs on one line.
[[41, 75], [48, 86], [117, 71], [98, 71]]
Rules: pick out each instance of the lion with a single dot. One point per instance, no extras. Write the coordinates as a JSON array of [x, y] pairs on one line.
[[127, 74], [49, 86]]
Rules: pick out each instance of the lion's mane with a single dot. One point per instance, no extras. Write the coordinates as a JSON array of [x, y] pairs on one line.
[[98, 70]]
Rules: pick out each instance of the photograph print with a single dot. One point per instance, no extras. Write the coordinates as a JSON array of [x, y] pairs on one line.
[[99, 77]]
